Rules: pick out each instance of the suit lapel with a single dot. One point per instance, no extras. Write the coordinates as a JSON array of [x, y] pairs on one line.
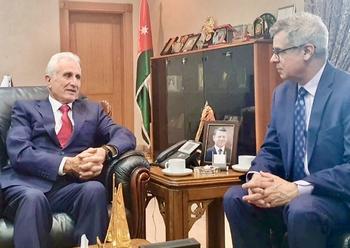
[[323, 92], [45, 110], [79, 117]]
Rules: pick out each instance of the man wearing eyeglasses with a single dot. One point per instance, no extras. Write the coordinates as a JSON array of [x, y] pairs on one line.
[[300, 179]]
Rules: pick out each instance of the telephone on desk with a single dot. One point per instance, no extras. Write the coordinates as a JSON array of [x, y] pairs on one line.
[[186, 149]]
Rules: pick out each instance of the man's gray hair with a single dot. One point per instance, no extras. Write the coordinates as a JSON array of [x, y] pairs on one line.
[[51, 67], [303, 28]]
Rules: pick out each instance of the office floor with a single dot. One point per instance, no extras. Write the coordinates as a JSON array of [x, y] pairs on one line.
[[155, 228]]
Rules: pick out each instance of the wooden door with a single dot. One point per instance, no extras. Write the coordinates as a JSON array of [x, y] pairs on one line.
[[101, 35]]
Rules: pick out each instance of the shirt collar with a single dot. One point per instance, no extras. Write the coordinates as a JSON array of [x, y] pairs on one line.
[[217, 148], [56, 104], [311, 86]]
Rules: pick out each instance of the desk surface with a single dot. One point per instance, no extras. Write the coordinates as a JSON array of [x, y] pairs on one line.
[[229, 176]]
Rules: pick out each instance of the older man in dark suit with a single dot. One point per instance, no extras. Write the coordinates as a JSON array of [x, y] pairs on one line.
[[299, 181], [57, 148]]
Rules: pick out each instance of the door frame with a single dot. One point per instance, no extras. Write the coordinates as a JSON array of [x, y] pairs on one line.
[[125, 10]]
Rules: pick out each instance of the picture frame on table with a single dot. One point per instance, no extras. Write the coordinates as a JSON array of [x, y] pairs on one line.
[[220, 133], [190, 43], [168, 46], [222, 34], [178, 45], [238, 32], [286, 11]]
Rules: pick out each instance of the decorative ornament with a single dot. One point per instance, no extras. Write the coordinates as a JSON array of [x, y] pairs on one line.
[[118, 235]]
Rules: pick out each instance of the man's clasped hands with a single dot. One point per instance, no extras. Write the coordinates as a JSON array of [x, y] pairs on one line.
[[266, 190], [87, 164]]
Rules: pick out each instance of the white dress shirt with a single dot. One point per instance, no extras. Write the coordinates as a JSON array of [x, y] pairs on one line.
[[218, 148], [311, 87]]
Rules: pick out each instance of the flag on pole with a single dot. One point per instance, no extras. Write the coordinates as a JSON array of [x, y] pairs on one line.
[[143, 77]]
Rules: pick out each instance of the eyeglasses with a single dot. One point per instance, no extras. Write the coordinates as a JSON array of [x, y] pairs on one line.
[[277, 51]]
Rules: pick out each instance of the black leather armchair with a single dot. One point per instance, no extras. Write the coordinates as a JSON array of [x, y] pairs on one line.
[[131, 169]]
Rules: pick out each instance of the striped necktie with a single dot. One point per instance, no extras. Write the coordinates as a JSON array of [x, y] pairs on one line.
[[299, 135]]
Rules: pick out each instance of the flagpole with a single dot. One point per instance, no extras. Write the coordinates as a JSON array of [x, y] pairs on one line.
[[143, 77]]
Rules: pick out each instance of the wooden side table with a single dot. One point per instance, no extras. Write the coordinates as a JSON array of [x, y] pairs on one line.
[[183, 200]]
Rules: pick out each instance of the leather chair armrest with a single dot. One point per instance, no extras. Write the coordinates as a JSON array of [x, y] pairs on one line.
[[132, 170], [124, 166]]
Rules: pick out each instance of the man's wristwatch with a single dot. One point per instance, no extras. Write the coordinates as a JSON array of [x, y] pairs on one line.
[[111, 151]]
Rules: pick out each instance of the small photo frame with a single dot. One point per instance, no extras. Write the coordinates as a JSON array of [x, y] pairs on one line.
[[220, 135], [168, 46], [258, 27], [222, 35], [285, 12], [184, 38], [190, 43], [238, 32], [178, 45]]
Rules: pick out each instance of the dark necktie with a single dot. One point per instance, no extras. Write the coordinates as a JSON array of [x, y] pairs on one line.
[[66, 130], [299, 135], [220, 151]]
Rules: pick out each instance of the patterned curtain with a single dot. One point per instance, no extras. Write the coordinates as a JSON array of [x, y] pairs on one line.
[[336, 15]]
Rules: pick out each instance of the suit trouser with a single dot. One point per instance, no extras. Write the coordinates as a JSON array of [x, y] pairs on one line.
[[310, 220], [31, 211]]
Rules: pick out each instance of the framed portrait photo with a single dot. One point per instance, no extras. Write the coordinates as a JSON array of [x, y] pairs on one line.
[[168, 46], [285, 12], [178, 45], [220, 137], [190, 42], [219, 36], [222, 34]]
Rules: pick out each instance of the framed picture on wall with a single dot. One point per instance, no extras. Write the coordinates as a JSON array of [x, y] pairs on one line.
[[285, 12]]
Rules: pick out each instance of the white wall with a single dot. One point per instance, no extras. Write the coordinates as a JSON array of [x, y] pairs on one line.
[[29, 35], [29, 29]]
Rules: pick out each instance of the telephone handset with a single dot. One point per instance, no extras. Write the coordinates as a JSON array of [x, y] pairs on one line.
[[186, 149]]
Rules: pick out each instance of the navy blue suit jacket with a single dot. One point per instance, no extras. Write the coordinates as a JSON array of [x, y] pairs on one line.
[[33, 147], [328, 135]]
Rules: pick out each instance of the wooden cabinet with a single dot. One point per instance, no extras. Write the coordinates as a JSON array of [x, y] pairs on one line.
[[233, 79]]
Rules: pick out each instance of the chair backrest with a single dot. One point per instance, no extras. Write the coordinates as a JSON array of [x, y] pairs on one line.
[[8, 97]]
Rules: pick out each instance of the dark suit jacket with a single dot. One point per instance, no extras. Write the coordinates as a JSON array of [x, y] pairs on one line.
[[328, 135], [33, 147], [211, 151]]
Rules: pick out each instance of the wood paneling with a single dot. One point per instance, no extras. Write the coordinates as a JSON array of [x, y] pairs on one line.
[[265, 80], [100, 33]]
